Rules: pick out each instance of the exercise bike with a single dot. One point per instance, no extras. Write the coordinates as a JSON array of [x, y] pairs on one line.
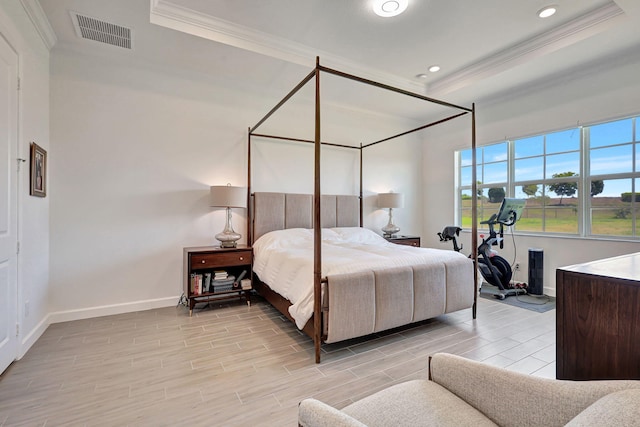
[[494, 269]]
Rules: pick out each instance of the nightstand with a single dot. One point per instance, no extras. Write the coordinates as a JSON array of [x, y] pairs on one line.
[[209, 273], [405, 240]]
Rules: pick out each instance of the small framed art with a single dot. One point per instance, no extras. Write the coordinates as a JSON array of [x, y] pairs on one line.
[[38, 171]]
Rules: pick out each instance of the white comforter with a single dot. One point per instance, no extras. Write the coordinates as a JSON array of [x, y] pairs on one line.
[[283, 259]]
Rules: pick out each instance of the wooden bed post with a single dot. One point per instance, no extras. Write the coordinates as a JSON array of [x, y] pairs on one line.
[[474, 211], [317, 228], [249, 228], [361, 196]]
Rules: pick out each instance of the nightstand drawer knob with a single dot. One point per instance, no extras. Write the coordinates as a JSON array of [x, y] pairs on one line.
[[241, 259], [203, 261]]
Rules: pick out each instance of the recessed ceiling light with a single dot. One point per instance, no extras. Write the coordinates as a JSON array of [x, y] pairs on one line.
[[389, 8], [547, 11], [421, 76], [434, 68]]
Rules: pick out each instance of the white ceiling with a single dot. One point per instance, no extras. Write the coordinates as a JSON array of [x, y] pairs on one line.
[[486, 49]]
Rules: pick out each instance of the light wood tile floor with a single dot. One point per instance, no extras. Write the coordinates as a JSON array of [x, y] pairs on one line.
[[233, 365]]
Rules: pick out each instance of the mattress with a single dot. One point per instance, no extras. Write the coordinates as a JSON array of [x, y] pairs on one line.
[[283, 259]]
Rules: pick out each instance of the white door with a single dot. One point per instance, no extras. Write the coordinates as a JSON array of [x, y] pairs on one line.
[[8, 204]]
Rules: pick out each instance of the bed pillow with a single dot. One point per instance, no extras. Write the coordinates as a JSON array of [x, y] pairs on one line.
[[359, 235], [283, 239], [292, 237], [329, 234]]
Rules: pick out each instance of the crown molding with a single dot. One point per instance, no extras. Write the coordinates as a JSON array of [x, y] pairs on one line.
[[572, 32], [170, 15], [40, 22]]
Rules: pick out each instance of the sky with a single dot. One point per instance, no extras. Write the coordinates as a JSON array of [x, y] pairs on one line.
[[611, 152]]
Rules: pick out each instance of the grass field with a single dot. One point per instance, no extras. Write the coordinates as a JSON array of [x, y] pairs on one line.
[[610, 215]]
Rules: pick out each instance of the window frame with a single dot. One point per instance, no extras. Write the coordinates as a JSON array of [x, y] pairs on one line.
[[583, 179]]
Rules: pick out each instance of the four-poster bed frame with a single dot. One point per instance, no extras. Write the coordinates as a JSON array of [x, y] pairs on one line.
[[318, 280]]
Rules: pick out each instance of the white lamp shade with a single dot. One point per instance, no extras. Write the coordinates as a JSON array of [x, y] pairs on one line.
[[390, 200], [226, 196]]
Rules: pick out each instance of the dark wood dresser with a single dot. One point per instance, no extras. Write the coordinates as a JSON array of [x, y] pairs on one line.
[[598, 319]]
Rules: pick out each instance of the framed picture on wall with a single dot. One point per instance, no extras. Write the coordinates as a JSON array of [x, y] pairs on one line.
[[38, 171]]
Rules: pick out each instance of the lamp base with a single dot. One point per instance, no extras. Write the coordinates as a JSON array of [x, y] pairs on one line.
[[390, 229], [228, 244], [388, 235], [228, 237]]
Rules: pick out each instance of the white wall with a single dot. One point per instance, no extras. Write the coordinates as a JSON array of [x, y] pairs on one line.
[[395, 166], [135, 151], [33, 222], [584, 97]]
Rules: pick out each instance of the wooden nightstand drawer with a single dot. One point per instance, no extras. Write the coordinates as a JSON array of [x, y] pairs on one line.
[[220, 259], [405, 240]]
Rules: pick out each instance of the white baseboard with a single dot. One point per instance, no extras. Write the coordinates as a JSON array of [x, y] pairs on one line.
[[33, 336], [108, 310], [87, 313]]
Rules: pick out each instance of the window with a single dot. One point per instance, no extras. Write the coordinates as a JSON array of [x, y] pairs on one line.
[[545, 173], [492, 172], [579, 181], [613, 171]]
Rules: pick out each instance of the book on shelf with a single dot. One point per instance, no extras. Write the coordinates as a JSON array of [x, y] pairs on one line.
[[223, 288], [220, 274], [196, 284], [229, 279], [206, 287], [218, 285]]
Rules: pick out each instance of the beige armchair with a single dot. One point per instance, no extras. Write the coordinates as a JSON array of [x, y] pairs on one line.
[[462, 392]]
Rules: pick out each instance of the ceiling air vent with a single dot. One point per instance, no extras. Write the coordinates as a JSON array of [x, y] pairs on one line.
[[101, 31]]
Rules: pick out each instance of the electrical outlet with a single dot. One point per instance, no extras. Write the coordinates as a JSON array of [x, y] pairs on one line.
[[516, 266]]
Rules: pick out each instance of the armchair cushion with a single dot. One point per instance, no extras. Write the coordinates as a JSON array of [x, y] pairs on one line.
[[312, 412], [512, 399], [621, 408], [415, 403]]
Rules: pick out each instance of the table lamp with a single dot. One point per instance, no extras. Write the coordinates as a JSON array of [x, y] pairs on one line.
[[390, 200], [227, 196]]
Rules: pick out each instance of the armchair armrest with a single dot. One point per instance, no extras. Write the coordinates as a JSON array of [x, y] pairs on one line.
[[313, 413], [514, 399]]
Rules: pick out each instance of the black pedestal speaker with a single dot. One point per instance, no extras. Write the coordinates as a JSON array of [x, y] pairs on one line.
[[536, 272]]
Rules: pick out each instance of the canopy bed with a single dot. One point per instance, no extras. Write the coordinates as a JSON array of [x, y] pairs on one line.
[[388, 287]]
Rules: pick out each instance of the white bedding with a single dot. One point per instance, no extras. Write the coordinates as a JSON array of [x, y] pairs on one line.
[[283, 259]]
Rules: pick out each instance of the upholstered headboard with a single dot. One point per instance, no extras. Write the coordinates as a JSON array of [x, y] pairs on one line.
[[277, 211]]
